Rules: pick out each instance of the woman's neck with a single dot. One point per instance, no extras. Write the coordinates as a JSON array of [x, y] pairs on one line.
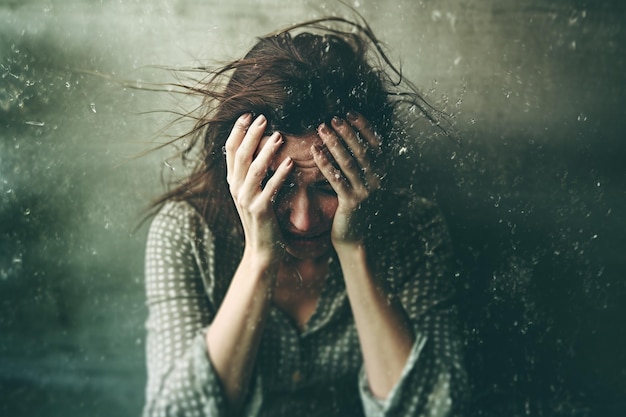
[[298, 287], [303, 274]]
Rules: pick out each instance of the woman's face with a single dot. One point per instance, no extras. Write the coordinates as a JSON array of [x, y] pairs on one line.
[[306, 204]]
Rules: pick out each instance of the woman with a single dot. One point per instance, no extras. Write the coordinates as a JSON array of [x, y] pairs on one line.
[[289, 275]]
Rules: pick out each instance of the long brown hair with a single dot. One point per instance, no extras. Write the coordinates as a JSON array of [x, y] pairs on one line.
[[297, 77]]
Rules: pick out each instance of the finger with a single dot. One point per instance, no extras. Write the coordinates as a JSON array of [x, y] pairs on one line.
[[245, 152], [235, 137], [250, 142], [261, 163], [276, 181], [356, 146], [372, 178], [363, 126], [345, 161], [336, 180]]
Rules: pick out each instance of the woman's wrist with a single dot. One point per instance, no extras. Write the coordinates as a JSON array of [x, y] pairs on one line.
[[351, 251], [263, 262]]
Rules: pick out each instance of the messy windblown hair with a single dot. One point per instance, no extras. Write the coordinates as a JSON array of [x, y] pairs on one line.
[[297, 78]]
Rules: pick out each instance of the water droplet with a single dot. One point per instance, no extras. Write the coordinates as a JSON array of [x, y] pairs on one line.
[[26, 212], [34, 123], [67, 84], [582, 117], [92, 106]]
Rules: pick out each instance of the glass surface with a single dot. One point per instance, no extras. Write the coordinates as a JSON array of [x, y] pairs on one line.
[[535, 195]]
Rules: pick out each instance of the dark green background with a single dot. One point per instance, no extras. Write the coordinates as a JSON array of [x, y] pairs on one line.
[[535, 196]]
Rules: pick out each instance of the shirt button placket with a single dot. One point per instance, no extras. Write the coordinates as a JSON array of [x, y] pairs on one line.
[[296, 375], [295, 358]]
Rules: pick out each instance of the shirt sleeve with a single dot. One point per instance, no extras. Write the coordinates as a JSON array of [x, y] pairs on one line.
[[181, 378], [433, 381]]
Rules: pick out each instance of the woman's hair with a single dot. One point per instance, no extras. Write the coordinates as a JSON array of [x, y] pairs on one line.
[[297, 78]]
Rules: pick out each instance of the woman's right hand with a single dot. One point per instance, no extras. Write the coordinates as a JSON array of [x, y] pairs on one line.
[[245, 175]]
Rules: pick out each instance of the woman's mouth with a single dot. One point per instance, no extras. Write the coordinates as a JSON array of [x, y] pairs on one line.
[[306, 239]]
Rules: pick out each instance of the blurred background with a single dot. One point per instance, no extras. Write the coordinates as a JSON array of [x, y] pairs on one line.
[[535, 195]]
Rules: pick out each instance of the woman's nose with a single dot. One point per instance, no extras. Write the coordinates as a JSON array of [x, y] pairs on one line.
[[301, 214]]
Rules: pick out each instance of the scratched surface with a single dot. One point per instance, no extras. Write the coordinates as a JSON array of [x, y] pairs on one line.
[[535, 196]]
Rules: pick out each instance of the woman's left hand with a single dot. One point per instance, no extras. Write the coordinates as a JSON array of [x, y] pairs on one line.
[[352, 144]]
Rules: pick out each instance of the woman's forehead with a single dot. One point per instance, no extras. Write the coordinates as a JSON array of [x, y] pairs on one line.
[[298, 148]]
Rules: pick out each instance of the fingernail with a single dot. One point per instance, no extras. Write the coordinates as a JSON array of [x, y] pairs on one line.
[[324, 129], [352, 116], [337, 121], [261, 119], [245, 117]]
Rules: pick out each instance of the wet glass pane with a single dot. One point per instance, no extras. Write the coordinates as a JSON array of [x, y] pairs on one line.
[[534, 194]]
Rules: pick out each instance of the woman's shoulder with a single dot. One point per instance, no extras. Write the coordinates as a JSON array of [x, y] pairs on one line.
[[410, 211], [426, 214], [177, 209], [176, 217], [408, 223], [413, 234]]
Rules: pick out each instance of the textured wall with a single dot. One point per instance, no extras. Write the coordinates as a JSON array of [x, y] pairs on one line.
[[534, 196]]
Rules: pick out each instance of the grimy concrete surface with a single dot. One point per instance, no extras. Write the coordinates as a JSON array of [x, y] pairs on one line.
[[534, 195]]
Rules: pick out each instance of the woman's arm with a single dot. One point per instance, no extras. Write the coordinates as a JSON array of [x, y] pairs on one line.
[[199, 359], [385, 336], [212, 374], [406, 333], [233, 338], [181, 379]]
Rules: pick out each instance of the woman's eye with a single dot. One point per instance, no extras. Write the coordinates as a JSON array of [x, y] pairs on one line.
[[285, 190], [326, 188]]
